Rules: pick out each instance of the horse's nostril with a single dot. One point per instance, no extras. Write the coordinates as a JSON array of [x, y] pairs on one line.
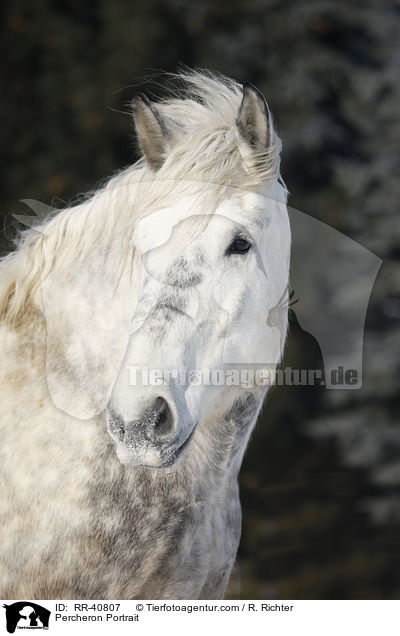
[[156, 423], [160, 418]]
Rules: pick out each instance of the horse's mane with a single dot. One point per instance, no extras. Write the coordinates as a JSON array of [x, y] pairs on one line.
[[207, 155]]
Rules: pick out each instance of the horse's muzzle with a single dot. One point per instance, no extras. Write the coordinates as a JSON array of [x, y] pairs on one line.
[[151, 439]]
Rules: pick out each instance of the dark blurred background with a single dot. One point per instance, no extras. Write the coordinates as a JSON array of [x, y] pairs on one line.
[[320, 482]]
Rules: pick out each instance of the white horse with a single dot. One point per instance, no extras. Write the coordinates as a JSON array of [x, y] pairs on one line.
[[119, 471]]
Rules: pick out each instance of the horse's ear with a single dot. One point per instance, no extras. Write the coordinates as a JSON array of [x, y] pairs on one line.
[[151, 131], [254, 120]]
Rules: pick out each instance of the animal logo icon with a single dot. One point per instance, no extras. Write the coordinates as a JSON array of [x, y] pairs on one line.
[[26, 615]]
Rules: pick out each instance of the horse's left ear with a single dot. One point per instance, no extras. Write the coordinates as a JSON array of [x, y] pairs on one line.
[[254, 120], [151, 131]]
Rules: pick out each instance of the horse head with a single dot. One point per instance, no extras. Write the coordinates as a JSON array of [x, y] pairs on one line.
[[211, 263]]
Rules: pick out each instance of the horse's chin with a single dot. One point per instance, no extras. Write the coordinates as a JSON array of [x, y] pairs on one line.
[[130, 457], [153, 457]]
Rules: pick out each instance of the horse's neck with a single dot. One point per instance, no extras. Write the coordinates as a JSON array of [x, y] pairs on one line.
[[22, 345], [82, 314], [179, 528]]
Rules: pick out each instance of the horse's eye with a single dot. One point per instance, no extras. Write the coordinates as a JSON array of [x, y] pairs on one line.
[[239, 246]]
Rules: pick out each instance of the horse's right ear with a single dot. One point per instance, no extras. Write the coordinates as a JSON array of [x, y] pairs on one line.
[[151, 131], [254, 120]]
